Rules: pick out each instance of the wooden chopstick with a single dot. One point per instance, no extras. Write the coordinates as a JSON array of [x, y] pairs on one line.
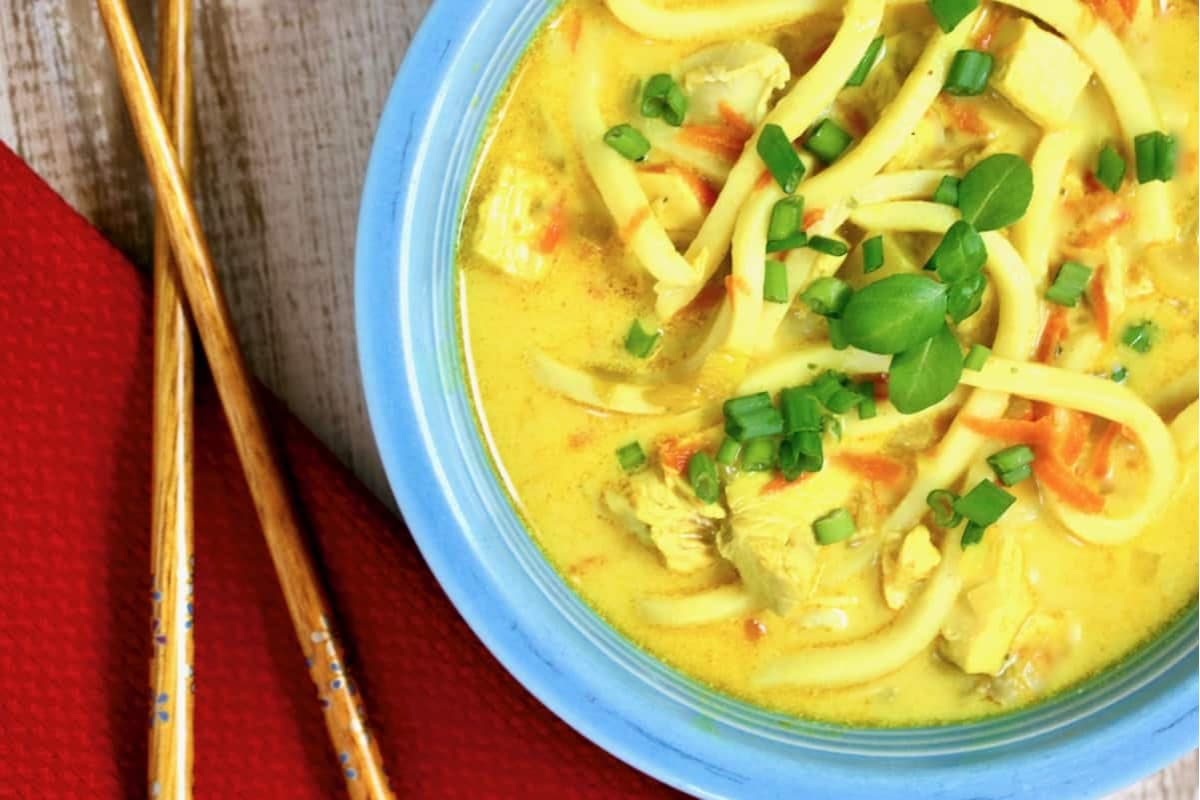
[[170, 762], [357, 752]]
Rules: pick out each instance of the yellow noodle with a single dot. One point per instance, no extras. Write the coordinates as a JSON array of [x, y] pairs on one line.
[[1033, 235], [699, 608], [731, 19]]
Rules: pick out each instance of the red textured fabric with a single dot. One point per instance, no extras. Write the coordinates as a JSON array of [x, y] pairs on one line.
[[75, 369]]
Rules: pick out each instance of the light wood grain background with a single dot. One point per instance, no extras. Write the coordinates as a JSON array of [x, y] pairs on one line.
[[288, 94]]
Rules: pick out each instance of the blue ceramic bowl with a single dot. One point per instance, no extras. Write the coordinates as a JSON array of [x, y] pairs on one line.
[[1095, 738]]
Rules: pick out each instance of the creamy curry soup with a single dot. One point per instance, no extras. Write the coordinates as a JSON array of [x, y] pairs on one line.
[[843, 355]]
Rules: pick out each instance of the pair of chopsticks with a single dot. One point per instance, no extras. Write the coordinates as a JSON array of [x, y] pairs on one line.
[[164, 136]]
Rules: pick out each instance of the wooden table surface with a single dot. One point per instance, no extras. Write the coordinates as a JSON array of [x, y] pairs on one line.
[[288, 96]]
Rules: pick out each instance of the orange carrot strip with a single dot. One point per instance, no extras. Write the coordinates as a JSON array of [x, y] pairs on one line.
[[873, 467], [1014, 431], [1058, 478], [986, 32], [1052, 334], [966, 118], [720, 140], [556, 229], [675, 454], [812, 217], [630, 228], [779, 483], [1101, 462], [1099, 303], [735, 121], [1071, 433]]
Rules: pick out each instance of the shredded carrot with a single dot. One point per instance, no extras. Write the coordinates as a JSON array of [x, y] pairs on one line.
[[763, 181], [1117, 13], [720, 140], [1092, 184], [812, 217], [1099, 303], [755, 629], [1052, 335], [986, 32], [630, 228], [674, 453], [779, 483], [735, 285], [735, 121], [703, 190], [1058, 478], [1101, 461], [556, 229], [966, 118], [1071, 433], [1036, 433], [1097, 231], [879, 383], [873, 467], [712, 293]]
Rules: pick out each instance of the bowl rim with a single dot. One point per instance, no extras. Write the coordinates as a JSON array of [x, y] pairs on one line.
[[560, 676]]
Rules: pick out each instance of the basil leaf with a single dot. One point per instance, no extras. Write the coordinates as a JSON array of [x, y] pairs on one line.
[[996, 192], [965, 297], [925, 374], [960, 254], [894, 314]]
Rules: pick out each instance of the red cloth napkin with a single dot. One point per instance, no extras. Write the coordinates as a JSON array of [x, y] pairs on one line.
[[75, 369]]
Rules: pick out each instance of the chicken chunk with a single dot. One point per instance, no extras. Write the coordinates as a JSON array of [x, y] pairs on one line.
[[741, 76], [1042, 75], [1044, 640], [907, 561], [979, 631], [513, 217], [769, 538], [664, 513]]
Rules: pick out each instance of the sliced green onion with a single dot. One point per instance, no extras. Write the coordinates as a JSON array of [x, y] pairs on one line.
[[949, 13], [776, 151], [984, 504], [786, 216], [828, 141], [1014, 476], [1119, 374], [837, 334], [775, 283], [631, 456], [941, 502], [628, 141], [830, 247], [1110, 169], [859, 76], [639, 342], [960, 254], [794, 242], [866, 405], [972, 534], [872, 253], [977, 357], [662, 97], [800, 409], [1019, 455], [831, 423], [1156, 155], [1140, 337], [1069, 284], [843, 400], [965, 297], [753, 424], [758, 454], [809, 445], [947, 191], [737, 406], [969, 73], [834, 527], [827, 296], [827, 386], [728, 452], [702, 475]]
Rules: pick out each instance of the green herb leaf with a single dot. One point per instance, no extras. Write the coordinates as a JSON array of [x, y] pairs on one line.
[[960, 254], [925, 374], [965, 297], [894, 314], [996, 192]]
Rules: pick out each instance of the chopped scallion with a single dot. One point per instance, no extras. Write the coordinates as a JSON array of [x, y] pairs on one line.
[[941, 502], [1110, 169], [662, 97], [1008, 459], [1156, 155], [972, 534], [984, 504], [843, 400], [631, 456], [753, 424], [977, 357], [837, 334], [1014, 476], [947, 191], [737, 406], [830, 247], [782, 160], [969, 73], [1119, 374], [730, 449], [949, 13], [859, 76], [1069, 284], [775, 283], [640, 342], [786, 216], [794, 242], [800, 409], [828, 141], [702, 475], [872, 254], [834, 527], [827, 296], [827, 386], [1140, 337], [628, 141], [758, 454], [866, 405]]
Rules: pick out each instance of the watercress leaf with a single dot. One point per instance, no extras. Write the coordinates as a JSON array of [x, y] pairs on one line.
[[960, 254], [924, 375], [996, 191], [894, 314], [965, 297]]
